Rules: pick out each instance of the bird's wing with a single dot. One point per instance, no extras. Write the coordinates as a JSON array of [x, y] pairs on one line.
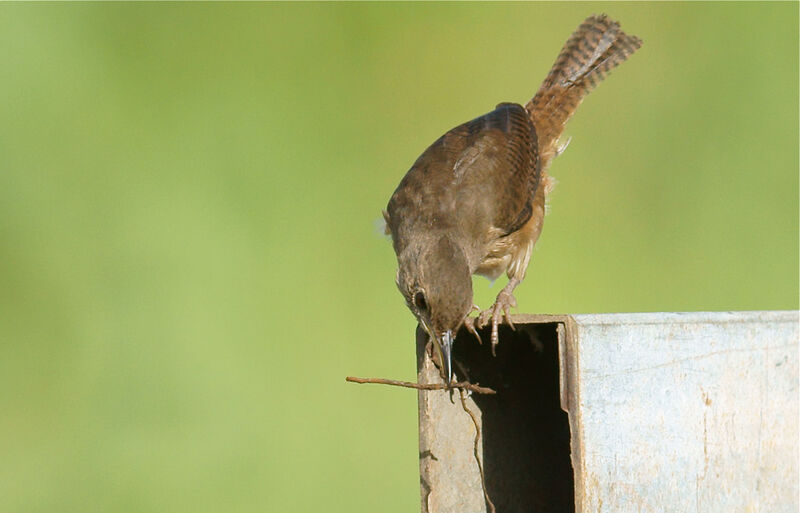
[[479, 177], [496, 166]]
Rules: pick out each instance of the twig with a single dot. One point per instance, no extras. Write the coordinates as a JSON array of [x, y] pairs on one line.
[[461, 385], [475, 451]]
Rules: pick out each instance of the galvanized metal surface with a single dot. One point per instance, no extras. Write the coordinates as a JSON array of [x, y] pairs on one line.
[[686, 412], [689, 412]]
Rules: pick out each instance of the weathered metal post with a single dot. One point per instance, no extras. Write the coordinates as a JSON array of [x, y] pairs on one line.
[[622, 412]]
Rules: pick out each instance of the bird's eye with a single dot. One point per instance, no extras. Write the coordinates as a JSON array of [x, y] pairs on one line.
[[419, 301]]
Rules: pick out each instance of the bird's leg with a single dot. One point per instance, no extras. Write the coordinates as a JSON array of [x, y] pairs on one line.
[[505, 301]]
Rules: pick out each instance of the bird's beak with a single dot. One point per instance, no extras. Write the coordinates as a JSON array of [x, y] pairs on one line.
[[445, 343]]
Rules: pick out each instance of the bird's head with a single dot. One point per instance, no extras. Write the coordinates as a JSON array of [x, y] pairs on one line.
[[435, 280]]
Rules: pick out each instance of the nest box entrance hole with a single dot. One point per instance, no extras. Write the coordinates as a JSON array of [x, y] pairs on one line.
[[526, 436]]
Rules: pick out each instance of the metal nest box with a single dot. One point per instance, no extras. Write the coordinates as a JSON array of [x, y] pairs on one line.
[[655, 412]]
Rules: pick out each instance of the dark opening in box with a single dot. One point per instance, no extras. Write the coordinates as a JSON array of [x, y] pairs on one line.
[[526, 437]]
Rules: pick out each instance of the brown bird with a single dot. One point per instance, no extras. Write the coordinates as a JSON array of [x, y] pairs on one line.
[[474, 201]]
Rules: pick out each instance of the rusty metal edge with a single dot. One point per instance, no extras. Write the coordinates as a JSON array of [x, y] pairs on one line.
[[569, 363], [423, 412]]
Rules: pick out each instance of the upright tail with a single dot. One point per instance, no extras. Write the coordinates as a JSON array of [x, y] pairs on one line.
[[593, 50]]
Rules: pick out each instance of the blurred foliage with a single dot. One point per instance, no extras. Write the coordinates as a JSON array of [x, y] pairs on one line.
[[189, 259]]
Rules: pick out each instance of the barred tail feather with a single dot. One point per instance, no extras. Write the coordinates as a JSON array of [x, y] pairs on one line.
[[593, 50]]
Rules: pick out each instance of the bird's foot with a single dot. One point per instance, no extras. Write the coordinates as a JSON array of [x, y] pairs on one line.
[[505, 301]]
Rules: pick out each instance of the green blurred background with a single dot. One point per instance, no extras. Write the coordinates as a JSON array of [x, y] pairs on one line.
[[189, 258]]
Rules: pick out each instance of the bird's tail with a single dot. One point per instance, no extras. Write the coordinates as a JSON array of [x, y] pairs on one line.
[[593, 50]]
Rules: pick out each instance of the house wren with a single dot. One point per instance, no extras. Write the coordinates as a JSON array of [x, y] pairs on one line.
[[474, 201]]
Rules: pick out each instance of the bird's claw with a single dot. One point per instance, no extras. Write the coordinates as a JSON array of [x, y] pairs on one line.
[[505, 301], [470, 325]]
